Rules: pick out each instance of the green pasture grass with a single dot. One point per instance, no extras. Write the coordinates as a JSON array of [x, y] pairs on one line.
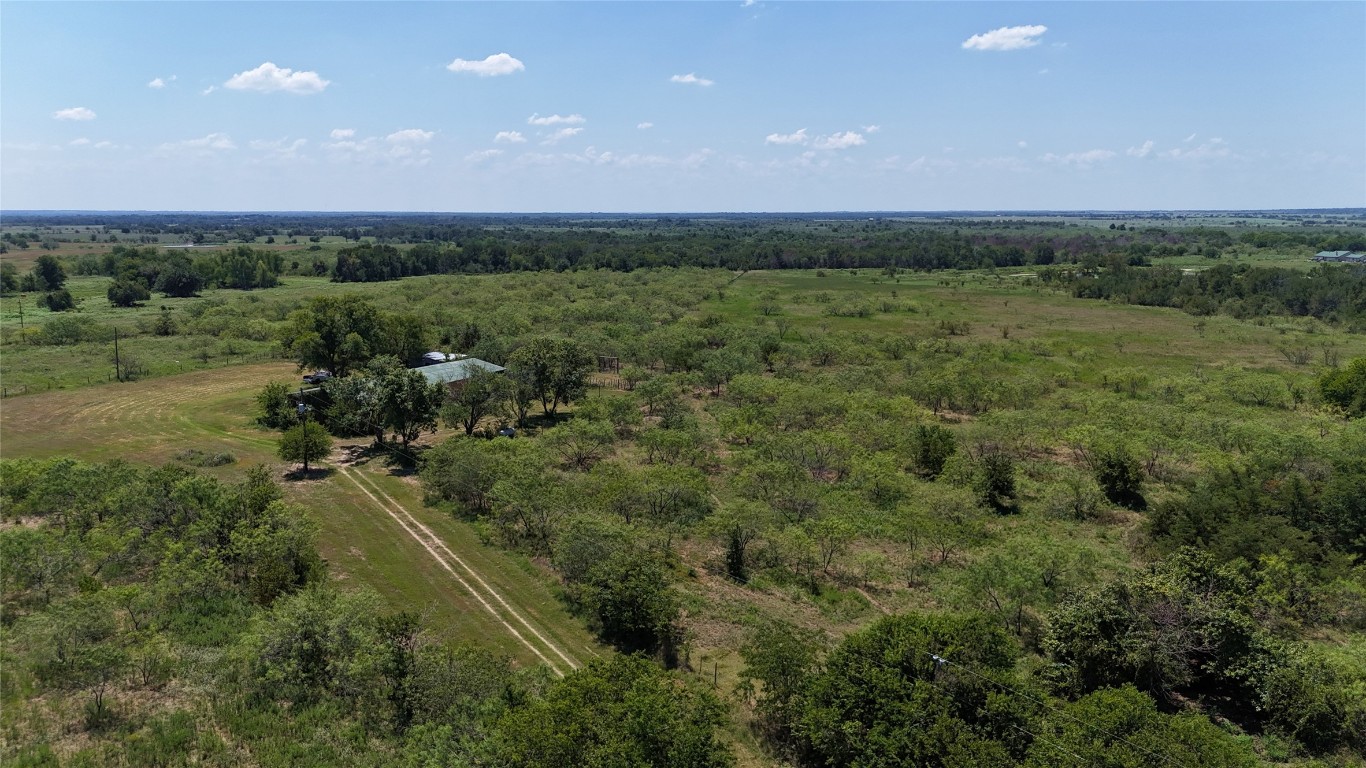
[[212, 410]]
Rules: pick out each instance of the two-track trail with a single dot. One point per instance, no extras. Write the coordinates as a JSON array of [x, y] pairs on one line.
[[464, 575], [369, 529]]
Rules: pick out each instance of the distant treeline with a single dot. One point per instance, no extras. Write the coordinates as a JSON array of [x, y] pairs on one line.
[[178, 274], [477, 250], [1328, 292]]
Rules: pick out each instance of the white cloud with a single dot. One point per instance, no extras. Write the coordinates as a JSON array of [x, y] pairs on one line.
[[1021, 143], [536, 119], [104, 145], [208, 90], [1006, 38], [410, 136], [563, 133], [79, 142], [692, 79], [840, 141], [1044, 71], [747, 3], [491, 66], [205, 147], [157, 83], [1189, 138], [920, 165], [645, 126], [212, 141], [342, 133], [1209, 150], [1080, 159], [1012, 164], [487, 154], [74, 113], [509, 137], [1142, 151], [798, 137], [269, 78], [871, 128], [279, 149]]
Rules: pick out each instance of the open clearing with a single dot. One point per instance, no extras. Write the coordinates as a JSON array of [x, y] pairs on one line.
[[374, 530]]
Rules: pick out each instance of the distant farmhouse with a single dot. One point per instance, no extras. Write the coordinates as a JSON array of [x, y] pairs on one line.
[[1349, 257]]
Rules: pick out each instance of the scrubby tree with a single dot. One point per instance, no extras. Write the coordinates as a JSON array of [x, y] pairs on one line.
[[410, 403], [274, 410], [127, 293], [1122, 728], [995, 480], [556, 370], [304, 443], [59, 300], [1346, 388], [483, 394], [1119, 474], [625, 711]]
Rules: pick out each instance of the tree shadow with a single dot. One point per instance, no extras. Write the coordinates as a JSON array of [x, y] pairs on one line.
[[313, 473]]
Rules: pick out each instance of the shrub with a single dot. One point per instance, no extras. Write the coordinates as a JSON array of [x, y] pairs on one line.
[[127, 293], [58, 301]]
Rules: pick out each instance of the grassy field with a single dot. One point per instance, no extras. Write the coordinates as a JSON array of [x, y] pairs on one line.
[[211, 410]]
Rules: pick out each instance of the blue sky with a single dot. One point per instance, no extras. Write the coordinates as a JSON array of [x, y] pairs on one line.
[[724, 106]]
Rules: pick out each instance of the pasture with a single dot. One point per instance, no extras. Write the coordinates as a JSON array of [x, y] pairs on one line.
[[368, 516]]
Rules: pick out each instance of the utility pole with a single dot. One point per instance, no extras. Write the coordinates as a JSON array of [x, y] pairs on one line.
[[21, 317], [118, 370], [303, 419]]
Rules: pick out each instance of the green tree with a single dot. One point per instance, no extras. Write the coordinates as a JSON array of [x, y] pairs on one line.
[[304, 443], [59, 300], [127, 293], [621, 712], [274, 410], [933, 446], [995, 480], [82, 651], [783, 658], [1119, 474], [179, 280], [9, 278], [48, 273], [313, 643], [883, 698], [334, 333], [1346, 388], [581, 442], [410, 403], [631, 603], [556, 369], [483, 394], [1122, 728]]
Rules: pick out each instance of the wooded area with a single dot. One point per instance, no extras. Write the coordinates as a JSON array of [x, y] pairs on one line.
[[869, 510]]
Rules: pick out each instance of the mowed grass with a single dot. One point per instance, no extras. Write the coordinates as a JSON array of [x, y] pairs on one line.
[[151, 421]]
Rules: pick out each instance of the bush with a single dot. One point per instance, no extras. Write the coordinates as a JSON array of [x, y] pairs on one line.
[[275, 410], [58, 301], [995, 481], [70, 330], [1119, 474], [127, 293]]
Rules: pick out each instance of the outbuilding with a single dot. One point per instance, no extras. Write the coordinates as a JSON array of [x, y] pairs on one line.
[[453, 373]]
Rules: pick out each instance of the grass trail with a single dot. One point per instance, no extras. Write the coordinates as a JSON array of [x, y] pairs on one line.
[[373, 528]]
